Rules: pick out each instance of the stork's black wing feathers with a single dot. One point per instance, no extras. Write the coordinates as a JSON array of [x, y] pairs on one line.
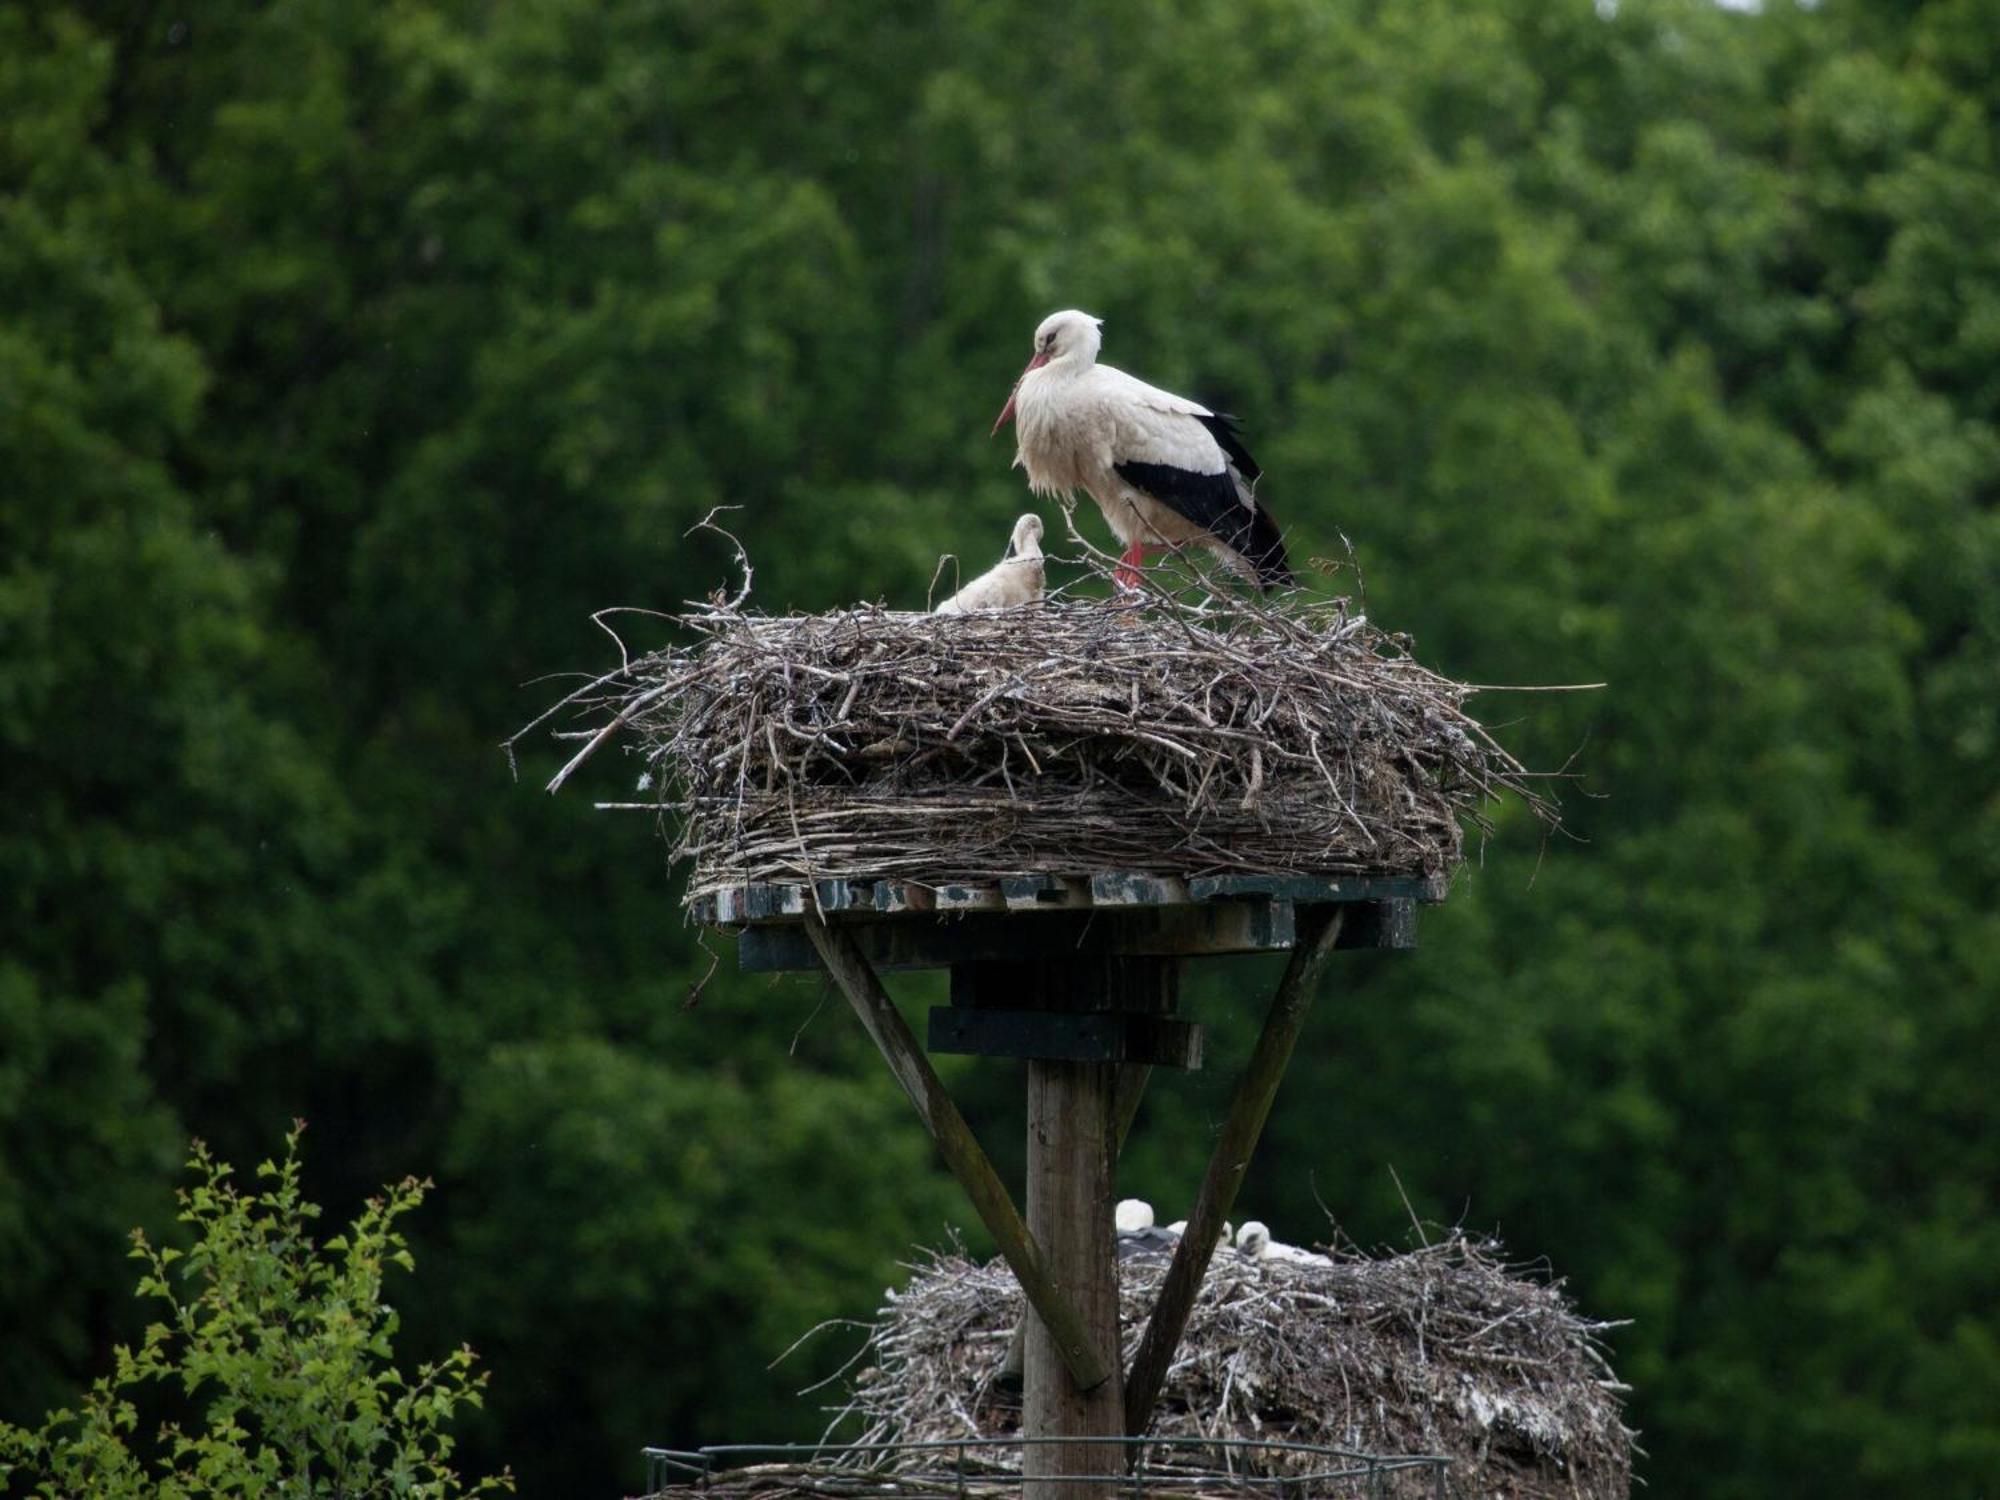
[[1222, 427], [1212, 501], [1145, 1243]]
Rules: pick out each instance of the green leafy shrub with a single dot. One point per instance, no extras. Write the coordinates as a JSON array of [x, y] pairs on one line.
[[273, 1366]]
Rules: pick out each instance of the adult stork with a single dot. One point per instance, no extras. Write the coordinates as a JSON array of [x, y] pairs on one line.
[[1166, 472]]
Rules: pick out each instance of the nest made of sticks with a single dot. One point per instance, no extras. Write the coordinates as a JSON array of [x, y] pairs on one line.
[[1445, 1349], [1073, 737]]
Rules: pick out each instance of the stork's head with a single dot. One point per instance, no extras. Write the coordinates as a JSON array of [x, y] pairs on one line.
[[1069, 340], [1027, 538], [1253, 1239], [1132, 1215], [1070, 336]]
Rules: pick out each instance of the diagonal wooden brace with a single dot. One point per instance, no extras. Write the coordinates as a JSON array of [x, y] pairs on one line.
[[1248, 1110], [1132, 1081], [960, 1148]]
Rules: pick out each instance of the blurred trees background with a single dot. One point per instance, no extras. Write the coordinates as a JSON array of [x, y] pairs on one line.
[[351, 355]]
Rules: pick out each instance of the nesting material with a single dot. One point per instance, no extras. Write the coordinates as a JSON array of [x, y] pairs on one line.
[[1068, 738], [1442, 1350]]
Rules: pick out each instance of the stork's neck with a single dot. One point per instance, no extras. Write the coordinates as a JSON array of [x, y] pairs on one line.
[[1072, 364]]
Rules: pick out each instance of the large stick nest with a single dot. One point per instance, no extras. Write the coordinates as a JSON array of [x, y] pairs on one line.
[[1067, 738], [1443, 1350]]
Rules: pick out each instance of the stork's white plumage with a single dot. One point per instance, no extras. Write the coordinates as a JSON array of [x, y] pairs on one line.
[[1165, 471], [1018, 578], [1297, 1256], [1132, 1215], [1254, 1240]]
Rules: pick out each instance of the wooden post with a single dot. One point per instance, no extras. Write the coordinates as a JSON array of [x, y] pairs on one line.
[[1132, 1080], [1319, 929], [1075, 1114], [1070, 1138], [1084, 1359], [1064, 1255]]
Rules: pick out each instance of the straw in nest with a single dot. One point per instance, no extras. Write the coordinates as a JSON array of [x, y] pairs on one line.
[[1220, 736], [1443, 1349]]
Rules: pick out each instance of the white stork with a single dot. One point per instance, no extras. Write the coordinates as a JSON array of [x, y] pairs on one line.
[[1254, 1240], [1166, 472], [1178, 1229], [1132, 1215], [1018, 577], [1147, 1244]]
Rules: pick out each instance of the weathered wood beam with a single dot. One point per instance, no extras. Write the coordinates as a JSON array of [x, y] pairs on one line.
[[1132, 1081], [1088, 1366], [1106, 1036], [1071, 1144], [765, 901], [1319, 930], [1052, 936]]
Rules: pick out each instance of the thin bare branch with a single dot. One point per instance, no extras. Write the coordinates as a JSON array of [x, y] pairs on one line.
[[1183, 730]]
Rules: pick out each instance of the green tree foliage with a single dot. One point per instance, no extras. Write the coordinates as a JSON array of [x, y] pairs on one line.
[[352, 355], [281, 1353], [735, 1259]]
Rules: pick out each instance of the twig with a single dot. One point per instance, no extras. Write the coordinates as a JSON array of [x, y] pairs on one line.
[[1193, 732]]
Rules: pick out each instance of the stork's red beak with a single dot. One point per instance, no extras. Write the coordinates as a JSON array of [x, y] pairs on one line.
[[1007, 411]]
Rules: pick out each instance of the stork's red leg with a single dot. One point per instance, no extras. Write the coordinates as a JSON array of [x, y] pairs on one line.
[[1127, 573]]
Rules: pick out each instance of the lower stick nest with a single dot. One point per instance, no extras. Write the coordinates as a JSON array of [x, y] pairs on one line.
[[1068, 738], [1442, 1350]]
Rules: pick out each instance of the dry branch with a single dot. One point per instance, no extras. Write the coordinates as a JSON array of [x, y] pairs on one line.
[[1443, 1349], [1066, 738]]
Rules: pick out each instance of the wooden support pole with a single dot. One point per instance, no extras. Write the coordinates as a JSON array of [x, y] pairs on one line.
[[1132, 1080], [1070, 1148], [1086, 1362], [1319, 929]]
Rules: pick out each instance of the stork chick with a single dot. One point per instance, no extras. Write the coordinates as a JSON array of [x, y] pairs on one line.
[[1016, 579], [1178, 1229], [1165, 471], [1132, 1215], [1147, 1244], [1254, 1240]]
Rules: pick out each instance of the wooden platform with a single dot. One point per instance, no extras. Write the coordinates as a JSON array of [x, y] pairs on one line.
[[1080, 978], [1125, 914]]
